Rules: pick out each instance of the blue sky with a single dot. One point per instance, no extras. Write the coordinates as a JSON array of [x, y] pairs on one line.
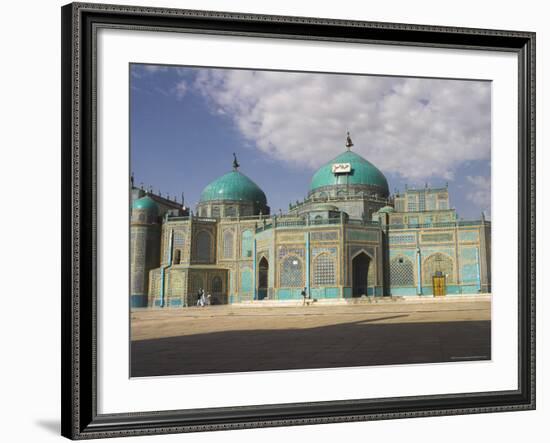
[[186, 123]]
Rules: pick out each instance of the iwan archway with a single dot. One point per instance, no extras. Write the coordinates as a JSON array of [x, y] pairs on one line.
[[360, 274], [263, 272]]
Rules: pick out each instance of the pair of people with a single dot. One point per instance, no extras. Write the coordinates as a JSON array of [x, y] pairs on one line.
[[202, 298]]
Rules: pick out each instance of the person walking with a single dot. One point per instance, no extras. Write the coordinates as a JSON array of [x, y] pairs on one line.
[[304, 295]]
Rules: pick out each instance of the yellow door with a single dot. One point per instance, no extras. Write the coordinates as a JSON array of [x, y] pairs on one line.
[[439, 285]]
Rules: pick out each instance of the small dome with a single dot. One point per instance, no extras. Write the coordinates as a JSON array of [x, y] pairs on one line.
[[362, 172], [386, 209], [234, 186], [147, 204]]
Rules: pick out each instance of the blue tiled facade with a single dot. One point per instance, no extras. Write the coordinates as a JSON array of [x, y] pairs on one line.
[[348, 238]]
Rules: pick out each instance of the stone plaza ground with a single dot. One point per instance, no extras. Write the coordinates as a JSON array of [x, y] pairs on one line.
[[221, 339]]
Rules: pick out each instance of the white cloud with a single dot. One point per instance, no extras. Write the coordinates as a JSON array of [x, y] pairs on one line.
[[140, 70], [418, 128], [152, 69], [181, 89], [480, 194]]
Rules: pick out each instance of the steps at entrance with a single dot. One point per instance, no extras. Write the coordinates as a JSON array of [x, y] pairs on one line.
[[365, 300]]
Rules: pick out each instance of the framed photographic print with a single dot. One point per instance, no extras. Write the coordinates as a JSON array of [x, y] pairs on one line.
[[273, 221]]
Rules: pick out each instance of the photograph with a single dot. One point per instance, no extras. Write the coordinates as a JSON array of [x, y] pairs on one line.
[[295, 217], [293, 220]]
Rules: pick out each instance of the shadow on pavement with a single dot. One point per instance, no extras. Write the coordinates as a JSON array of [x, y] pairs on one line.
[[358, 343]]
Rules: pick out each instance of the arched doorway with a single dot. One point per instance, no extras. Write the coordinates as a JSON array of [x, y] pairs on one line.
[[263, 272], [360, 274], [438, 272]]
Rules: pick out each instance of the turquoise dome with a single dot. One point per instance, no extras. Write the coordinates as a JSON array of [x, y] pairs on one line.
[[233, 186], [363, 172], [146, 203]]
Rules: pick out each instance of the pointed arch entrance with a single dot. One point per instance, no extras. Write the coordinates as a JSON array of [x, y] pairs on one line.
[[360, 265], [263, 273]]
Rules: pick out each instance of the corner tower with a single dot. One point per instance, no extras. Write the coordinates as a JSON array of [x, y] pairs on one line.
[[144, 248]]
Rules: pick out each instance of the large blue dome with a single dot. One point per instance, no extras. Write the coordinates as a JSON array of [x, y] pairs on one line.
[[233, 186], [362, 172]]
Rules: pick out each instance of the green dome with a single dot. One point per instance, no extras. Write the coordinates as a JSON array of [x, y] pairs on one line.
[[386, 209], [363, 172], [234, 186], [146, 203]]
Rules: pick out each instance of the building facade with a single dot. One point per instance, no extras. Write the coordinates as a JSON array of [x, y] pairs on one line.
[[348, 238]]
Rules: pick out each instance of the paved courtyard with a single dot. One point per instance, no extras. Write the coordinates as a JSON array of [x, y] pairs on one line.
[[219, 339]]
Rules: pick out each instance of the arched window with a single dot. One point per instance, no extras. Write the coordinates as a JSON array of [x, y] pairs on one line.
[[437, 262], [401, 272], [291, 274], [216, 211], [361, 269], [324, 270], [230, 211], [263, 273], [247, 244], [204, 246], [217, 285], [228, 244]]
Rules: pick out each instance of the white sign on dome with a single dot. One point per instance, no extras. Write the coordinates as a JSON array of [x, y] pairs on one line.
[[341, 168]]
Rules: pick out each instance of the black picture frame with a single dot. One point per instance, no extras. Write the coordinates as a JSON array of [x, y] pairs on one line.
[[79, 209]]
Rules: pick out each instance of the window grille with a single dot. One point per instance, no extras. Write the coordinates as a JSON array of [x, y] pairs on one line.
[[204, 246], [217, 285], [401, 272], [228, 244], [422, 201], [324, 270], [196, 284], [291, 275], [179, 239]]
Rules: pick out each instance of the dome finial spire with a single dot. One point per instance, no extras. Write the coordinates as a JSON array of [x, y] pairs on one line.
[[235, 162], [349, 143]]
